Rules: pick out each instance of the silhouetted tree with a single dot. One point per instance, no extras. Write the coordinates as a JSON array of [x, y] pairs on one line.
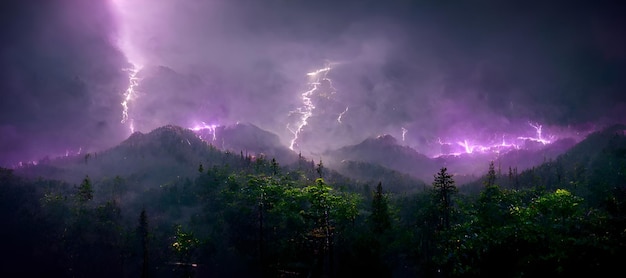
[[274, 166], [444, 188], [379, 219], [143, 231], [320, 169], [491, 175]]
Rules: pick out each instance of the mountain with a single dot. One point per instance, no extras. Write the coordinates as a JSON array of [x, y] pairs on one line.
[[371, 174], [385, 151], [473, 165], [165, 154], [171, 152], [250, 139], [595, 165], [162, 155]]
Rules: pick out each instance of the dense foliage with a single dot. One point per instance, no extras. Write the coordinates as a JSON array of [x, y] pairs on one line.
[[244, 216]]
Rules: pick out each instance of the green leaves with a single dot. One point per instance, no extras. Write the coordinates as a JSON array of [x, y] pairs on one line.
[[85, 191], [324, 200], [540, 232], [184, 243]]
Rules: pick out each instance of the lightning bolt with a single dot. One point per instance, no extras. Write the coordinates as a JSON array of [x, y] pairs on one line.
[[468, 147], [211, 128], [538, 132], [130, 94], [499, 147], [341, 115], [306, 110], [404, 131], [133, 56], [497, 144], [322, 70]]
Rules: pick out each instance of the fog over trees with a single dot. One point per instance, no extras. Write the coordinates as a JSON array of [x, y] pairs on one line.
[[170, 208]]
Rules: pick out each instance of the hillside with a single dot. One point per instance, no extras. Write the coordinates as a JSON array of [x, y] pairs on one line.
[[596, 164], [385, 151], [220, 213]]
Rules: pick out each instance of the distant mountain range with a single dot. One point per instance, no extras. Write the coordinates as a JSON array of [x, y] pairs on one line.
[[386, 151], [597, 163], [172, 152]]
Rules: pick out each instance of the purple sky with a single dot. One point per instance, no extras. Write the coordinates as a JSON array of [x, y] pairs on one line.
[[439, 70]]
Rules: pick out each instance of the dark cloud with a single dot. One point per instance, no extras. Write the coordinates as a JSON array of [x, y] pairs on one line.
[[439, 70], [60, 78]]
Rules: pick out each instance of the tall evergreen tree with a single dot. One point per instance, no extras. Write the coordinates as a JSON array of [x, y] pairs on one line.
[[491, 175], [320, 169], [143, 232], [379, 219], [444, 188]]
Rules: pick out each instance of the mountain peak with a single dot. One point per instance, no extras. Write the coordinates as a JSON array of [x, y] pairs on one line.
[[162, 134], [382, 140]]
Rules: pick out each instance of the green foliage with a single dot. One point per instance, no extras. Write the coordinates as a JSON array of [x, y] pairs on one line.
[[509, 234], [248, 216], [85, 191], [184, 244]]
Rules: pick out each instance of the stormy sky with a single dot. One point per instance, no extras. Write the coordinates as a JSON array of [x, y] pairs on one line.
[[443, 70]]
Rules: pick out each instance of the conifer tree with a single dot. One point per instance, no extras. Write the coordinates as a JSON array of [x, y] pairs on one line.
[[85, 191], [379, 218], [444, 188]]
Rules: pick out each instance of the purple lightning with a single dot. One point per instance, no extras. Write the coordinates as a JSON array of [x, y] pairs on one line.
[[212, 129], [467, 146], [133, 56], [539, 137], [496, 147], [130, 94], [306, 110], [341, 115]]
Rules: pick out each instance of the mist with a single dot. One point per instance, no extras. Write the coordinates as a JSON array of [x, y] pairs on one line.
[[444, 71]]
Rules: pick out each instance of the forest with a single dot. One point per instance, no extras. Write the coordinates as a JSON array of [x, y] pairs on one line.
[[241, 215]]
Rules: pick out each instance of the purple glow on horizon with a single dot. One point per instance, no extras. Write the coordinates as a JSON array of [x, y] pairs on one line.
[[539, 138], [473, 146], [211, 128], [87, 73]]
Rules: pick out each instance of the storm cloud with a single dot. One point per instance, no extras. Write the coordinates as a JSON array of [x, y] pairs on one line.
[[437, 70]]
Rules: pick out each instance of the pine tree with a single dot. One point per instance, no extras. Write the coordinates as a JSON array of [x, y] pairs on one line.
[[491, 175], [320, 169], [274, 167], [85, 191], [444, 188], [379, 219], [143, 232]]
